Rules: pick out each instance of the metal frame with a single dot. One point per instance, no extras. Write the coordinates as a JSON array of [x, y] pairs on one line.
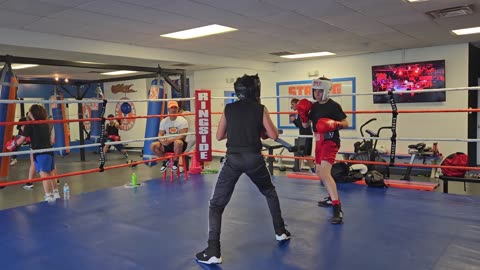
[[152, 73]]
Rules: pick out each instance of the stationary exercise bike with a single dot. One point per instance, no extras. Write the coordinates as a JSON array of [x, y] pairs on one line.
[[366, 150]]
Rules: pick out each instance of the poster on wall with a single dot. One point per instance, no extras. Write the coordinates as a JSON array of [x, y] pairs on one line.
[[128, 91], [303, 89]]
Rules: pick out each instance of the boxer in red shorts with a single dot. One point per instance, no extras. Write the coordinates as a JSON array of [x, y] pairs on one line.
[[327, 118]]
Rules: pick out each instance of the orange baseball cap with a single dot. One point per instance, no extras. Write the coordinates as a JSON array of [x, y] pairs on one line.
[[172, 104]]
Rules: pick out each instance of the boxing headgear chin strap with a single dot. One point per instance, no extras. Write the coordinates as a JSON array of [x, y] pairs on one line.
[[248, 87], [324, 85]]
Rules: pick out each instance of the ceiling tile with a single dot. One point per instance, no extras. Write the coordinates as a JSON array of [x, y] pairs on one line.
[[11, 19], [248, 8], [138, 13], [32, 7]]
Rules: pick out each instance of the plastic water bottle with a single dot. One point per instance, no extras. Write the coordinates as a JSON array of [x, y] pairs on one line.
[[66, 191], [134, 180]]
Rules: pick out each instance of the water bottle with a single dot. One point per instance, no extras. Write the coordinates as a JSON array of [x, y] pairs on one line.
[[134, 180], [66, 191]]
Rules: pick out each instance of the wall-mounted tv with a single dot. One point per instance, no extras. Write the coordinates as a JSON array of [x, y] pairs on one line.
[[409, 79]]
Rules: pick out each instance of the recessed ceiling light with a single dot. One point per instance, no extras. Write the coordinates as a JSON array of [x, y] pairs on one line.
[[22, 66], [466, 31], [306, 55], [200, 32], [119, 72]]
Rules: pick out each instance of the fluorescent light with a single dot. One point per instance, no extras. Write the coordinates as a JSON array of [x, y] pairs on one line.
[[22, 66], [86, 62], [418, 0], [200, 32], [119, 72], [305, 55], [467, 31]]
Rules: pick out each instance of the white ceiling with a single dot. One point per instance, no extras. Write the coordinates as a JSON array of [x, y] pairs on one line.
[[128, 31]]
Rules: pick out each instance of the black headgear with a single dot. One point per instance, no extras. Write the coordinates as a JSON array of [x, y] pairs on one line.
[[248, 87]]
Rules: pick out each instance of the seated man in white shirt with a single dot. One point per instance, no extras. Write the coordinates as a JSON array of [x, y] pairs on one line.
[[171, 125]]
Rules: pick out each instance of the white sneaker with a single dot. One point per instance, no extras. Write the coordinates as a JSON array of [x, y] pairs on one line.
[[56, 194], [28, 186], [49, 198], [13, 162]]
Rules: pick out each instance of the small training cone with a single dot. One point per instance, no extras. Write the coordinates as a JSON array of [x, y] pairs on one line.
[[196, 168]]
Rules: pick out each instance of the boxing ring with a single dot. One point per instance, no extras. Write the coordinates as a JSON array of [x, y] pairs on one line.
[[160, 224]]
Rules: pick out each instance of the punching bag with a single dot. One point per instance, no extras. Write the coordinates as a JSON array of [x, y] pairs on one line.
[[62, 133], [157, 91], [7, 114]]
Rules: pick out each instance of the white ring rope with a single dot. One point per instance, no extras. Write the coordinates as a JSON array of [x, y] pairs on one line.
[[46, 101], [388, 139], [72, 101], [374, 93], [55, 149]]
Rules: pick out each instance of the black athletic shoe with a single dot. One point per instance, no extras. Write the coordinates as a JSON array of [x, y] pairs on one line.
[[175, 166], [164, 166], [337, 214], [282, 235], [326, 202], [210, 255]]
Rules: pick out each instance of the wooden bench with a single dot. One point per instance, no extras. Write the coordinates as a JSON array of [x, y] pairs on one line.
[[447, 179]]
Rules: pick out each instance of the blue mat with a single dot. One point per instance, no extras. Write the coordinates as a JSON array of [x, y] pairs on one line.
[[161, 225]]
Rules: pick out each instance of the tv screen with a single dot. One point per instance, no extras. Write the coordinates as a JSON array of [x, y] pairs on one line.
[[409, 79]]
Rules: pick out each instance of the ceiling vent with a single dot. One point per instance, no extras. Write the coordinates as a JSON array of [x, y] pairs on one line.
[[281, 53], [451, 12], [182, 65]]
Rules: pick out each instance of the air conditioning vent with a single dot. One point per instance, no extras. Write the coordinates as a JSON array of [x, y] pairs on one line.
[[182, 65], [451, 12], [282, 53]]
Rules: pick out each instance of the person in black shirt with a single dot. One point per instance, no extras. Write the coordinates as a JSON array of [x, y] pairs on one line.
[[243, 123], [307, 146], [112, 135], [40, 138], [326, 117], [20, 132]]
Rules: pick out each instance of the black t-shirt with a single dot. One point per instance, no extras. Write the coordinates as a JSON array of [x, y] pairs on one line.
[[244, 125], [111, 129], [329, 109], [39, 136], [302, 131]]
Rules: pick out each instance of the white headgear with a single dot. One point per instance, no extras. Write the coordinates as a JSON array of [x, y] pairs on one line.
[[324, 85]]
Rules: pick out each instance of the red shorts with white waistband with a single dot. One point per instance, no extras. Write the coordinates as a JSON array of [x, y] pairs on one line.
[[325, 150]]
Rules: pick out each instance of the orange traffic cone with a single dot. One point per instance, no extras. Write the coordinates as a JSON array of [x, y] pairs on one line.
[[196, 168]]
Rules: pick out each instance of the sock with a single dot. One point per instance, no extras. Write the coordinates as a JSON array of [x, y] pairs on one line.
[[48, 194], [335, 202]]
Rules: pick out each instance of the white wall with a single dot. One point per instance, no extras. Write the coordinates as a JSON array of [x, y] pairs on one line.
[[220, 80], [421, 125]]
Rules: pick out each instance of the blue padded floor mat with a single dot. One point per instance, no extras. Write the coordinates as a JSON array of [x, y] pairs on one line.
[[161, 225]]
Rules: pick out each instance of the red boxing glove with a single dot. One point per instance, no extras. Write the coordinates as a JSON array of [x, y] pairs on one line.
[[325, 125], [303, 107], [114, 138], [28, 140], [11, 145]]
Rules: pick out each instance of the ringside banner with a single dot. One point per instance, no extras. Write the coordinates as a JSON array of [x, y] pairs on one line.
[[203, 125]]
